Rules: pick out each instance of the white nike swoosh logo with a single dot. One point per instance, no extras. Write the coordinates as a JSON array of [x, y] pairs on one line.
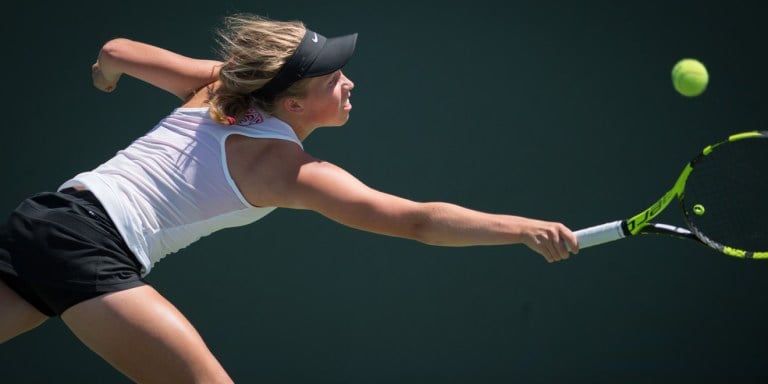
[[314, 39]]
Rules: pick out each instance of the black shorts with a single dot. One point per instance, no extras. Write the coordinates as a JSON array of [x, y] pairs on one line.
[[58, 249]]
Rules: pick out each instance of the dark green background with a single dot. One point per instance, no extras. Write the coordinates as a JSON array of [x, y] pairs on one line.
[[554, 110]]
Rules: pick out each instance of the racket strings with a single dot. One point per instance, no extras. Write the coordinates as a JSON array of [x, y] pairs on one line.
[[726, 195]]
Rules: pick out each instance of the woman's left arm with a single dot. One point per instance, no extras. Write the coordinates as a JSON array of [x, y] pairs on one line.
[[169, 71]]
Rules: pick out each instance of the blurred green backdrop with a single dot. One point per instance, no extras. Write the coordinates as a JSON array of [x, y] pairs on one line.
[[553, 109]]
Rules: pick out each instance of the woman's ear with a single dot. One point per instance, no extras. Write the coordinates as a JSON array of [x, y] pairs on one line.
[[293, 105]]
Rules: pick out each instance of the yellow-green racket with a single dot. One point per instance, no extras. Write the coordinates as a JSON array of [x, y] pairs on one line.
[[723, 195]]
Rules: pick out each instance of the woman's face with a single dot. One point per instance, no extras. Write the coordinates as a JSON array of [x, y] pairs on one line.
[[327, 102]]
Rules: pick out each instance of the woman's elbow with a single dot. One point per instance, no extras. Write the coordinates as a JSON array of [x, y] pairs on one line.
[[114, 48], [421, 225]]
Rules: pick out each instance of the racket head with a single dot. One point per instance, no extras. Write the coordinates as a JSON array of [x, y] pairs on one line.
[[725, 198]]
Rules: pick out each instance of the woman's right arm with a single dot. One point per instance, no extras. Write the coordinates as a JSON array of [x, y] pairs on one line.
[[169, 71], [290, 178]]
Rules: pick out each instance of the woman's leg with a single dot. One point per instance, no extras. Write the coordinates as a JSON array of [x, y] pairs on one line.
[[16, 314], [145, 337]]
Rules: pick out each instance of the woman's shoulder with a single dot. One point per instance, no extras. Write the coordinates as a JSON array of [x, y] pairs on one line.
[[200, 98], [258, 165]]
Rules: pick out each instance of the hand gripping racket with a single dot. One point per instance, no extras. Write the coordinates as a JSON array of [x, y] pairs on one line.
[[723, 195]]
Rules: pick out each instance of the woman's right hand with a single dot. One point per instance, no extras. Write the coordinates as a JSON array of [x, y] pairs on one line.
[[554, 241]]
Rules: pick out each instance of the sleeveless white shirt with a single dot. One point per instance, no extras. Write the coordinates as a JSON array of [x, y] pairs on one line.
[[172, 186]]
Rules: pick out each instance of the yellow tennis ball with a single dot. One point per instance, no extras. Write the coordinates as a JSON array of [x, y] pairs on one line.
[[690, 77]]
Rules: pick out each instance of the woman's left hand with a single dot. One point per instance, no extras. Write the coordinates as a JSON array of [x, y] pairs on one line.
[[103, 81]]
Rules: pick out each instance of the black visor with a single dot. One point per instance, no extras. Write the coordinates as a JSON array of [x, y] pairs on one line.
[[315, 56]]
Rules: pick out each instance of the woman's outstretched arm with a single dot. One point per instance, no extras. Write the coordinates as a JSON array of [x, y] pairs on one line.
[[296, 180]]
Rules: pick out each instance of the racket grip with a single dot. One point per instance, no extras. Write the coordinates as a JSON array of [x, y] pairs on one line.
[[599, 234]]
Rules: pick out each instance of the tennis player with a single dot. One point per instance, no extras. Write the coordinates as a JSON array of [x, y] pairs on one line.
[[230, 154]]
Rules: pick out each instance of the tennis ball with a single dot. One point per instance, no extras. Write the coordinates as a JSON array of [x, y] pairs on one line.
[[690, 77], [698, 209]]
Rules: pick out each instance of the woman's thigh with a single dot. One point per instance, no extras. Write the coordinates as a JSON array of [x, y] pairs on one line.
[[16, 314], [145, 337]]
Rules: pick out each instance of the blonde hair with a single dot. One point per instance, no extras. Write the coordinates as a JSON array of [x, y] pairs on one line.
[[253, 49]]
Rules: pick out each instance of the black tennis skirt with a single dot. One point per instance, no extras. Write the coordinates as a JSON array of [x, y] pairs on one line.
[[58, 249]]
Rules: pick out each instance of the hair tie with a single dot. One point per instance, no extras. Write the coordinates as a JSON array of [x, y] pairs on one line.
[[231, 120]]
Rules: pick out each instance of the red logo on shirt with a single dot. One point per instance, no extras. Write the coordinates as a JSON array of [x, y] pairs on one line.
[[252, 116]]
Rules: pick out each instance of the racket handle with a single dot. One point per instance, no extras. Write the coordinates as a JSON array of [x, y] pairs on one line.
[[599, 234]]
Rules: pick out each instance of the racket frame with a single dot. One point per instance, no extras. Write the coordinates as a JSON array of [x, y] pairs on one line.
[[641, 223]]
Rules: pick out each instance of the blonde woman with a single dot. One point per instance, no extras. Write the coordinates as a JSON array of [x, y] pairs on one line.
[[230, 154]]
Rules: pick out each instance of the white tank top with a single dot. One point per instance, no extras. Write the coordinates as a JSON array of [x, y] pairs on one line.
[[172, 186]]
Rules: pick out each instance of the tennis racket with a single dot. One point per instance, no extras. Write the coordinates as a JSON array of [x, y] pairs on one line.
[[723, 196]]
